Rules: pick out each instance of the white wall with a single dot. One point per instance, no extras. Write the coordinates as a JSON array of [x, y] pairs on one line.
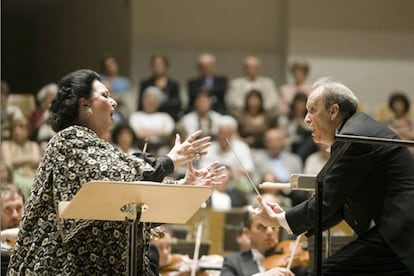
[[230, 29], [366, 44]]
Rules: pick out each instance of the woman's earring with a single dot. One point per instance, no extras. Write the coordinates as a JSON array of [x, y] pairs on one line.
[[89, 111]]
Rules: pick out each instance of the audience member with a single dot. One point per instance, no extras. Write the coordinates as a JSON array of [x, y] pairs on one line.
[[156, 126], [315, 162], [8, 112], [41, 130], [22, 155], [300, 135], [170, 264], [401, 122], [221, 150], [120, 86], [277, 164], [252, 79], [299, 71], [209, 81], [238, 192], [159, 78], [202, 117], [263, 241], [253, 120], [220, 199], [124, 138], [12, 204]]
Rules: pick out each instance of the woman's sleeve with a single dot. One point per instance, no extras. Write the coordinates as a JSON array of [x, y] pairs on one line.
[[162, 165]]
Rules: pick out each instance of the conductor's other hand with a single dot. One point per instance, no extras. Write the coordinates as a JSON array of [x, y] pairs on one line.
[[266, 213], [192, 148], [210, 176]]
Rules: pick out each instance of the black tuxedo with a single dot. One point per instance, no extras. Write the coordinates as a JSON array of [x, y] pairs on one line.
[[217, 91], [172, 103], [368, 183]]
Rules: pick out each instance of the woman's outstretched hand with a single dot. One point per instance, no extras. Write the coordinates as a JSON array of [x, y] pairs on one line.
[[210, 176], [192, 148]]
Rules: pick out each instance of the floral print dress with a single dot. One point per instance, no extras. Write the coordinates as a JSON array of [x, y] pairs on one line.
[[48, 245]]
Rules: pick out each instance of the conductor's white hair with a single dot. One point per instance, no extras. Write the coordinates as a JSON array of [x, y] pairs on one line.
[[335, 92]]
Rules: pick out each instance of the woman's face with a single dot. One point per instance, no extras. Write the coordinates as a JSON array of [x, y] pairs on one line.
[[254, 103], [159, 67], [103, 108], [398, 108], [20, 133], [125, 139]]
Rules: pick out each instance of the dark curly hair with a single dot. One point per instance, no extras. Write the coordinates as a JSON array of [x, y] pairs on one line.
[[64, 108], [401, 97]]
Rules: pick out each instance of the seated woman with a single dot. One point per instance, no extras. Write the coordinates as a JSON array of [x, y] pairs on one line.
[[401, 122], [21, 155], [298, 132], [123, 137], [150, 123], [254, 120], [159, 78]]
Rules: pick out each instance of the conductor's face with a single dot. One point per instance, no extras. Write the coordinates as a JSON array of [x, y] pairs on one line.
[[323, 121]]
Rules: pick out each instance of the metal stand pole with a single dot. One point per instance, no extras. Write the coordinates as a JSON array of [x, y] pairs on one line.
[[132, 210], [328, 243]]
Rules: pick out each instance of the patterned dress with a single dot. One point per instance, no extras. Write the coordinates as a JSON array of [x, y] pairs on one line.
[[48, 245]]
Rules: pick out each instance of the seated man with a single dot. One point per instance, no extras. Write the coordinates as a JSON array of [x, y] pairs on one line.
[[12, 203], [263, 240]]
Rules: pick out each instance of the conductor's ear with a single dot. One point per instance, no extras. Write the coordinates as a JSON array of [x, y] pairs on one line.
[[334, 112]]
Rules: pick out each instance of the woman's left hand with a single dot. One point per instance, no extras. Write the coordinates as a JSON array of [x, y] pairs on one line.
[[210, 176], [192, 148]]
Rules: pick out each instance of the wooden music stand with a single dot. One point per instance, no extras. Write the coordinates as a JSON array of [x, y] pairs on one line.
[[136, 202]]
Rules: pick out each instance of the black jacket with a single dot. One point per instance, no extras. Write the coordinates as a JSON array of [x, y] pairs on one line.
[[369, 182]]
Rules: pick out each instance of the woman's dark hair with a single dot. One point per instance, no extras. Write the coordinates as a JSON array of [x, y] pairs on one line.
[[252, 93], [300, 65], [102, 62], [299, 97], [72, 87], [399, 96], [117, 131], [160, 56]]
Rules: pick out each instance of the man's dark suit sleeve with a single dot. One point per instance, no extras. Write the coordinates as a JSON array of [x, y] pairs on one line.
[[228, 268], [346, 175]]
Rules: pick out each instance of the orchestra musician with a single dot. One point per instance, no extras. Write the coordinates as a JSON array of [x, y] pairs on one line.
[[371, 186], [263, 242], [169, 263], [12, 203]]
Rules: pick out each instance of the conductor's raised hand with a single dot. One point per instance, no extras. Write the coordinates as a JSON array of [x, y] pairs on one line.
[[266, 212], [192, 148], [210, 176]]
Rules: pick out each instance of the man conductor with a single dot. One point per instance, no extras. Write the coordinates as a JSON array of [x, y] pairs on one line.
[[370, 186]]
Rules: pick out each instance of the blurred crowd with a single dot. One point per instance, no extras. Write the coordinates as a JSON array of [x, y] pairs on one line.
[[256, 125]]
